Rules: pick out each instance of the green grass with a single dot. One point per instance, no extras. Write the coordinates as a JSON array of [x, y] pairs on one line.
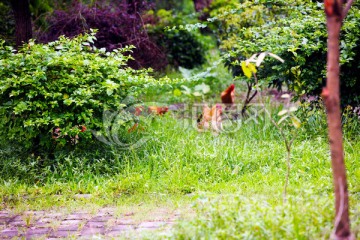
[[234, 180]]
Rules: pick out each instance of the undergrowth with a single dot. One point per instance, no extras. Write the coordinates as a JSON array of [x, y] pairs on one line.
[[235, 178]]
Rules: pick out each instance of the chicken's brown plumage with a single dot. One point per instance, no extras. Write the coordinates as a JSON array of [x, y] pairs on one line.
[[154, 110], [158, 110], [228, 95], [211, 118]]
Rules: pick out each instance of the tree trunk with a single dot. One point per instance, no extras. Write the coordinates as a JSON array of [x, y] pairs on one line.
[[23, 28], [331, 96]]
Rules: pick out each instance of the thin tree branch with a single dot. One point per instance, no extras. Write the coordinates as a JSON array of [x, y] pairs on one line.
[[287, 175], [254, 94], [347, 8], [248, 91]]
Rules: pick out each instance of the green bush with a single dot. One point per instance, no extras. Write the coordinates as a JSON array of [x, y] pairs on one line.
[[296, 32], [62, 86], [217, 6], [183, 48]]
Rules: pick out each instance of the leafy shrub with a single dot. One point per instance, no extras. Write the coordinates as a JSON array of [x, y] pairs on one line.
[[297, 33], [62, 88], [169, 4], [217, 6], [118, 25], [183, 48]]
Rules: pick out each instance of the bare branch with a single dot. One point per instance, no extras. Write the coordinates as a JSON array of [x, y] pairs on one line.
[[347, 8]]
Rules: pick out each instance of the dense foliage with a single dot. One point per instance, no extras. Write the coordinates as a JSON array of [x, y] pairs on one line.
[[7, 23], [183, 48], [118, 26], [53, 95], [296, 32], [60, 89]]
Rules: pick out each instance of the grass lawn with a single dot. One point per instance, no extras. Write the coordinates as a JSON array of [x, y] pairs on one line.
[[229, 185]]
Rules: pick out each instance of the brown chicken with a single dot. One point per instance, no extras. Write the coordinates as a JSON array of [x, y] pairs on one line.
[[228, 95], [158, 110], [151, 110], [211, 118]]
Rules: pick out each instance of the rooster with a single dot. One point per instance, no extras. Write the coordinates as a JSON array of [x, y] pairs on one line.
[[228, 95]]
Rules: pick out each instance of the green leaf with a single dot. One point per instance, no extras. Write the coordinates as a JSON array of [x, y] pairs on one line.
[[60, 47], [202, 87], [68, 102], [177, 92], [186, 73], [282, 119], [109, 91], [197, 94], [186, 90], [296, 122], [282, 112], [20, 107], [276, 57], [293, 109]]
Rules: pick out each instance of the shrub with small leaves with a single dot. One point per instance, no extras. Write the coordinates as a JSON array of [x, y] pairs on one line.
[[295, 31], [183, 48], [62, 88]]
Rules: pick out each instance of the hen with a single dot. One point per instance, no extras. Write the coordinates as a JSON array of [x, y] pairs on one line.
[[156, 110], [211, 118]]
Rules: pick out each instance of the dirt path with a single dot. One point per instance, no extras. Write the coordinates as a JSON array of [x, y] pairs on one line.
[[105, 223]]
